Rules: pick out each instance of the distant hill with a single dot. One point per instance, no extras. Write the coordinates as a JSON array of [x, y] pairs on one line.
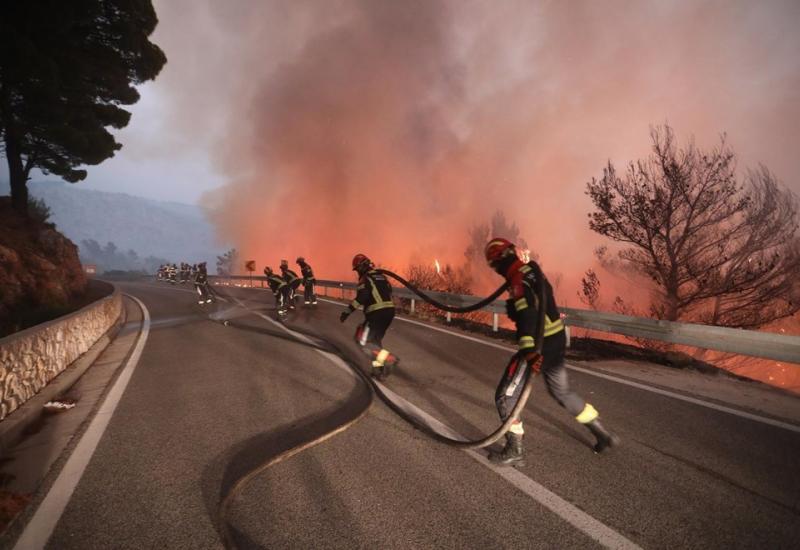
[[173, 231]]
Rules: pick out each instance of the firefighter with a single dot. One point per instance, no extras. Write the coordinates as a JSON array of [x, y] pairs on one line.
[[292, 282], [201, 284], [278, 287], [374, 294], [308, 282], [523, 308], [172, 273]]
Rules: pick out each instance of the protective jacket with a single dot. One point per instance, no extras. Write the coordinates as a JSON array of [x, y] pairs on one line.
[[374, 292], [523, 305], [276, 283], [308, 273], [201, 276], [290, 277]]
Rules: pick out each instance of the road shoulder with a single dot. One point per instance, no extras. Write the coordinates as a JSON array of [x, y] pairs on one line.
[[31, 465]]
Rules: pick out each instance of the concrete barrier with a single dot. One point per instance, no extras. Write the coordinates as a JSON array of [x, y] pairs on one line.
[[31, 358]]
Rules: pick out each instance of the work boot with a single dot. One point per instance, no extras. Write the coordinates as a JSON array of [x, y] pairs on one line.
[[605, 438], [511, 453], [390, 364], [378, 370]]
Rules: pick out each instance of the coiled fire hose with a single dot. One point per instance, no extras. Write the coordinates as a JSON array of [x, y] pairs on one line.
[[527, 386]]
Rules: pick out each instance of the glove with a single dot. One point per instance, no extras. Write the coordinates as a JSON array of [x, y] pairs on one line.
[[533, 359], [345, 314]]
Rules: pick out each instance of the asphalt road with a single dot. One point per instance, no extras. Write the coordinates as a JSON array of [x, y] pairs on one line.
[[209, 403]]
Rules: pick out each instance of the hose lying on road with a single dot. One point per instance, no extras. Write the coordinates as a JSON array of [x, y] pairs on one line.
[[238, 486], [491, 438], [516, 411]]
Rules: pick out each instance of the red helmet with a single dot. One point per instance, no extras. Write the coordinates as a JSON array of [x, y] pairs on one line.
[[498, 249], [360, 262]]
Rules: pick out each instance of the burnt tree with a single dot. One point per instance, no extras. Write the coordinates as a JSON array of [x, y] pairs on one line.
[[719, 250]]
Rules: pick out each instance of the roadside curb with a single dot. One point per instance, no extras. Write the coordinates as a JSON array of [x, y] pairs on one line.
[[14, 425]]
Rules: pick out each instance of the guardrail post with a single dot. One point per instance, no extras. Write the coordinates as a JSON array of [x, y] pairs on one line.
[[494, 321], [342, 287], [413, 301], [448, 316]]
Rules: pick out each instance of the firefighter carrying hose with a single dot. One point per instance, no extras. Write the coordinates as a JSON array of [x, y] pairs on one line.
[[522, 307], [374, 294], [308, 282], [201, 284], [292, 283], [278, 287]]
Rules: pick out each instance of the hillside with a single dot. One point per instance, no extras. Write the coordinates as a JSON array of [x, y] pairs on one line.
[[40, 274], [167, 230]]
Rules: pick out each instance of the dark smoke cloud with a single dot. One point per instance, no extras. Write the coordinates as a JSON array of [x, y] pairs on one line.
[[391, 127]]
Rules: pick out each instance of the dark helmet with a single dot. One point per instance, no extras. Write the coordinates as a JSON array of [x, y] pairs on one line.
[[499, 249], [361, 263], [284, 265], [268, 271], [300, 260]]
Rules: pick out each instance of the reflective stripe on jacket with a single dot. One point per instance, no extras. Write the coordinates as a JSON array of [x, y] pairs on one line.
[[373, 293]]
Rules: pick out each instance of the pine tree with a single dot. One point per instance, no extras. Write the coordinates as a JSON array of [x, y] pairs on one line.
[[65, 69]]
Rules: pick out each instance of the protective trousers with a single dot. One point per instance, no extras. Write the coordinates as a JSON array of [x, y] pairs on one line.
[[370, 333], [555, 378], [290, 290], [308, 291], [202, 290]]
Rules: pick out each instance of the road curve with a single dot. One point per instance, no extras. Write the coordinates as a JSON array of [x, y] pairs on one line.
[[209, 403]]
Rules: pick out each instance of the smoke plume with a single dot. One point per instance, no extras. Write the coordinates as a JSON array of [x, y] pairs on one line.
[[392, 127]]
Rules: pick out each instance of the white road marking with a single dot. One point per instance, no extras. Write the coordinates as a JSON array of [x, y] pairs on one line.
[[302, 337], [41, 526], [722, 408], [576, 517], [579, 519], [750, 416]]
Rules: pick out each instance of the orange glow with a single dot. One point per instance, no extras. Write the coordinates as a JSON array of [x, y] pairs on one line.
[[393, 128]]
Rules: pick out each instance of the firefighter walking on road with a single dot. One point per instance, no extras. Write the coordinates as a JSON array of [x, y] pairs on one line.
[[523, 308], [308, 282], [201, 284], [374, 294]]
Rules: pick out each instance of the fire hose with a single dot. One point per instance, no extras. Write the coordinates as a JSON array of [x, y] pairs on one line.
[[444, 307], [528, 377], [227, 499]]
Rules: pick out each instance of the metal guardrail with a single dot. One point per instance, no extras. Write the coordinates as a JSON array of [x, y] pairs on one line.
[[767, 345]]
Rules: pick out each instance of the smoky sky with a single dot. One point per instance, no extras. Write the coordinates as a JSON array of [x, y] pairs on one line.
[[390, 128]]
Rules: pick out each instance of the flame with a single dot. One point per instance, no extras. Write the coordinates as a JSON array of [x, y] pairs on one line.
[[525, 255], [438, 267]]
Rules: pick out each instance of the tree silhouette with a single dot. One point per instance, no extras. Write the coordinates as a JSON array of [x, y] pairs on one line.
[[718, 250], [65, 69], [228, 262]]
